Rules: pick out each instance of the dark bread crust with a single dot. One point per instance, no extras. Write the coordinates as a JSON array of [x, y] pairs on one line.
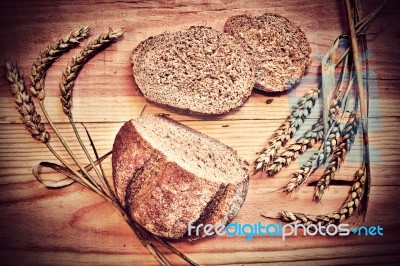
[[197, 69], [129, 155], [162, 196], [168, 198], [279, 48], [223, 207]]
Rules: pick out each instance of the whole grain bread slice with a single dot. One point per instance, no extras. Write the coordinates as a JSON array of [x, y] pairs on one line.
[[197, 69], [279, 48], [166, 175]]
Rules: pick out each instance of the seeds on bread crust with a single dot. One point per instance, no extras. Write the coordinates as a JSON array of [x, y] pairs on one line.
[[196, 69], [279, 48]]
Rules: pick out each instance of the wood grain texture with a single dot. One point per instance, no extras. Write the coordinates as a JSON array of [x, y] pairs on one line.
[[73, 226]]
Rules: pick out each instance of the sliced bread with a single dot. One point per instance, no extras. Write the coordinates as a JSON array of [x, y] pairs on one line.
[[279, 48], [166, 175], [197, 69]]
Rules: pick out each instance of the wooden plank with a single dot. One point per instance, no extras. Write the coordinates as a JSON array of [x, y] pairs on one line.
[[124, 108], [73, 226], [246, 137]]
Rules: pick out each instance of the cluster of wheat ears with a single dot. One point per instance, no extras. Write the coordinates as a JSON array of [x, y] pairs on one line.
[[342, 73], [336, 136], [33, 122]]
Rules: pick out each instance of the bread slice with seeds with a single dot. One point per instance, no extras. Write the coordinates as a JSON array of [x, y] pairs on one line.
[[166, 175], [279, 48], [197, 69]]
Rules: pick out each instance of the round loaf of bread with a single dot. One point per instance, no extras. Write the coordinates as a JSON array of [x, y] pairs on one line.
[[279, 48], [166, 175], [197, 69]]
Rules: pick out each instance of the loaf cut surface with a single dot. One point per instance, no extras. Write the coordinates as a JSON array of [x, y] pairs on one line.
[[197, 69], [279, 48], [166, 175]]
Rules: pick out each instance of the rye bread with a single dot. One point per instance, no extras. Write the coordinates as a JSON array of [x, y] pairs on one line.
[[279, 48], [166, 174], [197, 69]]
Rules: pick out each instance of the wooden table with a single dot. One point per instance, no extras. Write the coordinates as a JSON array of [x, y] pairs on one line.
[[75, 226]]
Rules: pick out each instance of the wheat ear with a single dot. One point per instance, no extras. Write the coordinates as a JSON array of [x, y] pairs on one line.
[[39, 69], [307, 141], [338, 156], [66, 88], [74, 67], [53, 51], [279, 138], [36, 127], [303, 108], [32, 119], [293, 151], [316, 133], [286, 130], [316, 160], [356, 201], [25, 105]]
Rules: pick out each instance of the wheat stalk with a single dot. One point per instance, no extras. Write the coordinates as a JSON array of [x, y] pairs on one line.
[[363, 95], [38, 73], [66, 88], [327, 147], [356, 201], [317, 131], [338, 156], [73, 68], [53, 51], [290, 126], [25, 105]]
